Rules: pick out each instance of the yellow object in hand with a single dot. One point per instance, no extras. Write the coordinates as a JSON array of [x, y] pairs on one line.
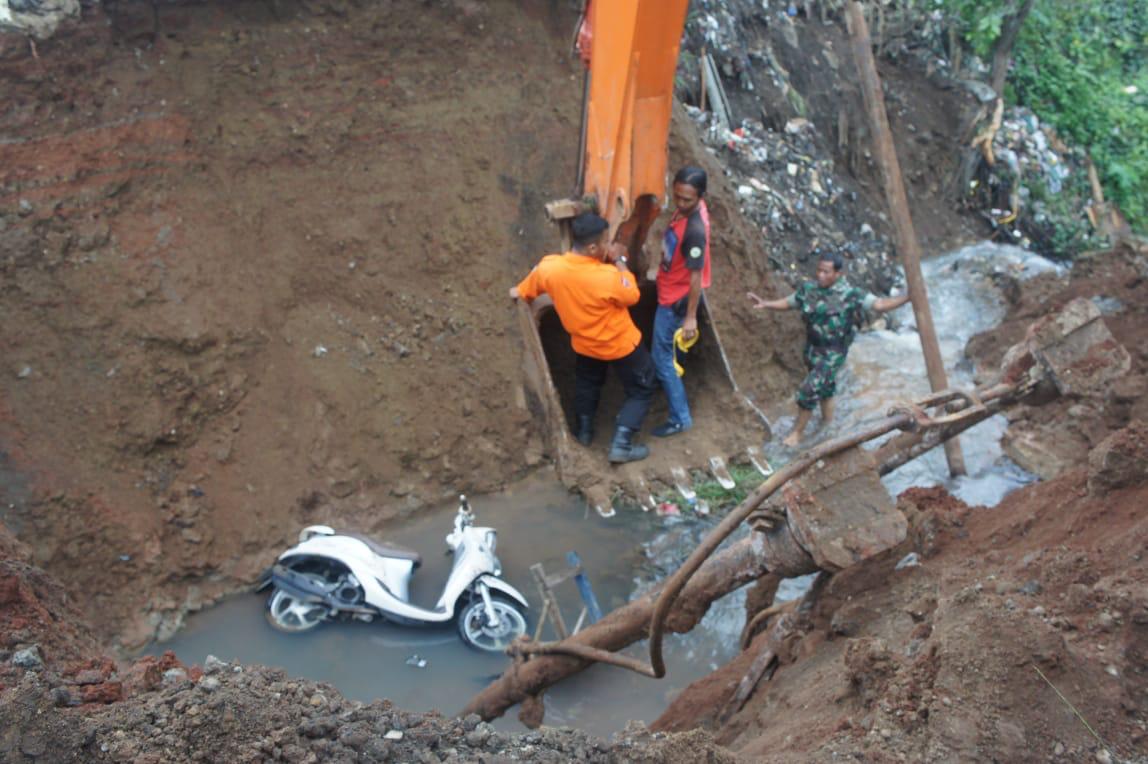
[[684, 345]]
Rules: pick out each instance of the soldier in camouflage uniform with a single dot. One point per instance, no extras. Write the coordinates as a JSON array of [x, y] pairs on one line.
[[832, 310]]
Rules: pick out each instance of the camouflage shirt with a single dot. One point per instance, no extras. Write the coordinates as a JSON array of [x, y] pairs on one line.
[[831, 315]]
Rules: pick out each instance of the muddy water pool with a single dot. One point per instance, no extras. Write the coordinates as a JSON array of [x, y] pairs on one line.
[[537, 521]]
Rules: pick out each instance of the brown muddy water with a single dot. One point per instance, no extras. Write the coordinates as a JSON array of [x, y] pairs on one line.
[[537, 521]]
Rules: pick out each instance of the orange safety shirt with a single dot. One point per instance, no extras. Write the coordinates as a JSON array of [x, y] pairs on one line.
[[592, 299]]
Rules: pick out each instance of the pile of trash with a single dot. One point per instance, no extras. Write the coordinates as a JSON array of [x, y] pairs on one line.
[[1035, 192], [788, 187]]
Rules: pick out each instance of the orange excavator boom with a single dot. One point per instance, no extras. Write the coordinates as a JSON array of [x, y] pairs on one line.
[[633, 55]]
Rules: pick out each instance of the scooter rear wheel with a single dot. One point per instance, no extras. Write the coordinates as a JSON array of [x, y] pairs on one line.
[[476, 630], [290, 615]]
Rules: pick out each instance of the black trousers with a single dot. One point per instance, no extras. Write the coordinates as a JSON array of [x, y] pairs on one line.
[[636, 372]]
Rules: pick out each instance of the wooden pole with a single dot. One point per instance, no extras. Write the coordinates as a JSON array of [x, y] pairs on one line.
[[906, 237]]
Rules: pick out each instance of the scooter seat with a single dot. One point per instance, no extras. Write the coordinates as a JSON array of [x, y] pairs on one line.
[[385, 549]]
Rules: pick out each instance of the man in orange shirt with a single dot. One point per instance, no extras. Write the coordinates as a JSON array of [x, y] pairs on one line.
[[593, 289]]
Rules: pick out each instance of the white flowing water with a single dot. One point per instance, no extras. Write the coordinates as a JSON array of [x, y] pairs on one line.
[[539, 522], [886, 366]]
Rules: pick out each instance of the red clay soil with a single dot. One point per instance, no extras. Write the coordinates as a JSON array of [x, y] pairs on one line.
[[939, 662], [942, 661]]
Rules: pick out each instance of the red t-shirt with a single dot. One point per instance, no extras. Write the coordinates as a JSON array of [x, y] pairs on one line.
[[685, 248]]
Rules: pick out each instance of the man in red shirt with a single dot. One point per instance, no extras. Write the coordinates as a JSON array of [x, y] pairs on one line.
[[593, 289], [684, 273]]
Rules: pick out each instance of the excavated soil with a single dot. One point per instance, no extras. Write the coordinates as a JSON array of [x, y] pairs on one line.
[[939, 662], [255, 274], [1049, 439]]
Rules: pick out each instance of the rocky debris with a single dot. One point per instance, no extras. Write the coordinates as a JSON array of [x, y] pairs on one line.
[[39, 628], [259, 714], [28, 658], [1120, 460], [1051, 439]]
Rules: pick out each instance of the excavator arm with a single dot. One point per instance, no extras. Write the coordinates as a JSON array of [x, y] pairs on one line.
[[631, 47]]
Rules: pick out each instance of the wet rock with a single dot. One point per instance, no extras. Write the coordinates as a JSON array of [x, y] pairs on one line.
[[212, 665], [28, 658], [1120, 460], [174, 676]]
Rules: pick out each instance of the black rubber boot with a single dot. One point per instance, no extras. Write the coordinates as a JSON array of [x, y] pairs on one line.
[[584, 432], [622, 450]]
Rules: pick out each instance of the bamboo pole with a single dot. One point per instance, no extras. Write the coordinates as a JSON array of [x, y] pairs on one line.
[[906, 236]]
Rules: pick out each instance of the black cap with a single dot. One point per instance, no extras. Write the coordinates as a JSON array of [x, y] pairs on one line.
[[586, 227]]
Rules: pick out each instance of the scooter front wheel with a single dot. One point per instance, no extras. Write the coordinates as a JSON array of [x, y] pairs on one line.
[[291, 615], [477, 631]]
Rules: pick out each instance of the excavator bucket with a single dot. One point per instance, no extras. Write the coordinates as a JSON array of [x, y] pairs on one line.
[[728, 427]]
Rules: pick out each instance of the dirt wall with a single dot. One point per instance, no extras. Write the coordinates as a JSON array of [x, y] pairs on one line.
[[254, 273]]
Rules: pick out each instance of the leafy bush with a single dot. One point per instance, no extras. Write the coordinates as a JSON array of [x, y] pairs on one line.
[[1081, 66]]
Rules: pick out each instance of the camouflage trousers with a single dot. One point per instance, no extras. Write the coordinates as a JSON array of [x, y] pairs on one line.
[[821, 381]]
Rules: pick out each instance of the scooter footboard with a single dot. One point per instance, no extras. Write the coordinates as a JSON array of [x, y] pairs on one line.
[[300, 586]]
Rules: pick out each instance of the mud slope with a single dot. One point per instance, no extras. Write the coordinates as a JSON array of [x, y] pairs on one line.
[[256, 273], [938, 662]]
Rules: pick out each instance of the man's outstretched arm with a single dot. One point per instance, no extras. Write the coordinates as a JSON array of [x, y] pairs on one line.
[[782, 303], [884, 304]]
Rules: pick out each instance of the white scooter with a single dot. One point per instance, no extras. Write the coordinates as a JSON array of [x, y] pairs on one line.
[[329, 574]]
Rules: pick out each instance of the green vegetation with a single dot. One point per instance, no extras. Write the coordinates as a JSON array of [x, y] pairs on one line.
[[719, 499], [1082, 66]]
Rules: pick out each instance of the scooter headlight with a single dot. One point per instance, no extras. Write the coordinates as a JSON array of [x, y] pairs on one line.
[[491, 541]]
